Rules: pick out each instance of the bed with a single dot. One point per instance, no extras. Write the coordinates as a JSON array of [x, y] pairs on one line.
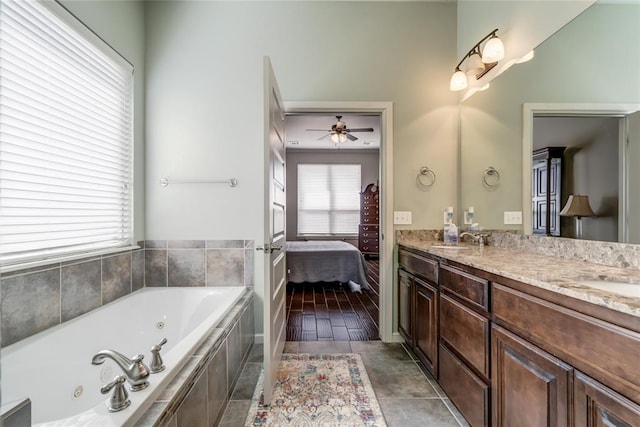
[[325, 261]]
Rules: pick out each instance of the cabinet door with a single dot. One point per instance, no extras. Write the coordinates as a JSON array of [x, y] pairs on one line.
[[529, 386], [426, 324], [598, 406], [405, 308]]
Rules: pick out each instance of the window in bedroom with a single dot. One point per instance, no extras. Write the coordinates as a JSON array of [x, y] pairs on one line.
[[328, 199], [65, 136]]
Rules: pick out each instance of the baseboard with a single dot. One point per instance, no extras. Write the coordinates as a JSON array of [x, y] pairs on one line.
[[396, 337]]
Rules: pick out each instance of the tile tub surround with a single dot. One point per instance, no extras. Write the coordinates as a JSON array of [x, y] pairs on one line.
[[39, 298], [553, 273], [35, 299], [199, 394]]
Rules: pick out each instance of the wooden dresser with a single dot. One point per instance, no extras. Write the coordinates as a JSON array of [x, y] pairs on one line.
[[368, 230]]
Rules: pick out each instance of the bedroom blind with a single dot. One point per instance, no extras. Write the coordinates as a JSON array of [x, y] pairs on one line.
[[328, 199], [65, 136]]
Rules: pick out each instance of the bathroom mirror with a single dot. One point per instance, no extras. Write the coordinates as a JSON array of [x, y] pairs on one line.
[[594, 60]]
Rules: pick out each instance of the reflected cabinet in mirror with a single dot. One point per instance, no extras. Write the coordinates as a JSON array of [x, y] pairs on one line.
[[580, 92]]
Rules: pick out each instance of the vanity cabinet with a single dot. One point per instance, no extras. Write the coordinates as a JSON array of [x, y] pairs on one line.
[[528, 383], [464, 343], [512, 354], [418, 307], [598, 405]]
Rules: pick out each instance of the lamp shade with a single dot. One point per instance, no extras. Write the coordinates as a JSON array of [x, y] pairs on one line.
[[458, 81], [577, 206], [474, 64], [493, 51]]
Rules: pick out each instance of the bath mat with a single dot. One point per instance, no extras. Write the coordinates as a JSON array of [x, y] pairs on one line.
[[318, 390]]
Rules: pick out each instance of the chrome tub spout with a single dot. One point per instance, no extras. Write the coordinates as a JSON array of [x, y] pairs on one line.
[[137, 372]]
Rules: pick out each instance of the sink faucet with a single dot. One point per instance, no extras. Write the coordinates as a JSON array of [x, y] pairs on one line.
[[136, 371], [475, 237]]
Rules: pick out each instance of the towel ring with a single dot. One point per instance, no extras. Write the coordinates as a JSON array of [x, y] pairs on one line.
[[491, 178], [425, 179]]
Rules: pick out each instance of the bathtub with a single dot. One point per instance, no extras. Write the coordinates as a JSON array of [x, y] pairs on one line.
[[53, 368]]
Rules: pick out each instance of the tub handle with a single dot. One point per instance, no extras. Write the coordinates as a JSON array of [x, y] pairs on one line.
[[120, 397], [156, 360]]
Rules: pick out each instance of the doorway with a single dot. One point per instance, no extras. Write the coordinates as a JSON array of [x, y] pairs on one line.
[[379, 268]]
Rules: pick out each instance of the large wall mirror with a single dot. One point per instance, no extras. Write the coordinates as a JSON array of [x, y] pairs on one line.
[[592, 66]]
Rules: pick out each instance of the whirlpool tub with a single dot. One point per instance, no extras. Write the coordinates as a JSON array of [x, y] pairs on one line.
[[53, 368]]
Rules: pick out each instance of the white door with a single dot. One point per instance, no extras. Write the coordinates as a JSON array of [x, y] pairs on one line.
[[632, 179], [274, 240]]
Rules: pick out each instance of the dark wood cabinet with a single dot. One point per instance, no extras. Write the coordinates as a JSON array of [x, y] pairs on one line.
[[426, 325], [546, 191], [405, 305], [528, 384], [598, 405], [513, 354], [369, 229]]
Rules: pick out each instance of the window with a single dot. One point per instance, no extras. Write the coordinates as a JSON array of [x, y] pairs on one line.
[[328, 199], [65, 136]]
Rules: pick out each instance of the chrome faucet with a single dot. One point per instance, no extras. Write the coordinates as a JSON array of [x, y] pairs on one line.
[[136, 371], [475, 237]]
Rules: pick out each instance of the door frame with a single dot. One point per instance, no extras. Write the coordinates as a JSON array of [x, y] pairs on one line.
[[529, 110], [385, 109]]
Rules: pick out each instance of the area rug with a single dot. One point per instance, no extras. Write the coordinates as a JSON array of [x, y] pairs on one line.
[[318, 390]]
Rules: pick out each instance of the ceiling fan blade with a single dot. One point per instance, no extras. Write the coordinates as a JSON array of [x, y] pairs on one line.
[[361, 130], [323, 137], [351, 137], [318, 130]]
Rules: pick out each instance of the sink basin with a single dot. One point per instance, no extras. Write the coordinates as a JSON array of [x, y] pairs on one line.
[[621, 288], [449, 247]]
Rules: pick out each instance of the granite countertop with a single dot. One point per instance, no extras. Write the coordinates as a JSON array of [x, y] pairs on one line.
[[548, 272]]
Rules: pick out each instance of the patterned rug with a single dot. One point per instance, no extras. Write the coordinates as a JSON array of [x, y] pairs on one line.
[[318, 390]]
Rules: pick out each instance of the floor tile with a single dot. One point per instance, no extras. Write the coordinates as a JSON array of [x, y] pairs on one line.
[[247, 382], [378, 350], [398, 380], [456, 413], [235, 414], [324, 347], [291, 347], [256, 354], [417, 412]]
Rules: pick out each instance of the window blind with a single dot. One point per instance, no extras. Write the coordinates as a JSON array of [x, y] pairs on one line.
[[65, 136], [328, 199]]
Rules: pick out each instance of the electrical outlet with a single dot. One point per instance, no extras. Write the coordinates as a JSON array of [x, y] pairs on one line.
[[402, 217], [514, 217]]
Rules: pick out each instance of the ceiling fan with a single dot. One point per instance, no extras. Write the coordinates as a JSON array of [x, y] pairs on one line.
[[339, 131]]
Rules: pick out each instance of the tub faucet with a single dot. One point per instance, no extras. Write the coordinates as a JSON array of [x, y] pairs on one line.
[[136, 371]]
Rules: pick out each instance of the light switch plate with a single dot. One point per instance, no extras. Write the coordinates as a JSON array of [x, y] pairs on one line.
[[514, 217], [402, 217]]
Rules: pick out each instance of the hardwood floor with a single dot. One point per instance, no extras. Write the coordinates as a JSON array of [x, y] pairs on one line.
[[331, 312]]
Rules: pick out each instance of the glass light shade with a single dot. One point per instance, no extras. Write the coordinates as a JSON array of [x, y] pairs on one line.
[[485, 87], [458, 81], [338, 137], [475, 65], [493, 51]]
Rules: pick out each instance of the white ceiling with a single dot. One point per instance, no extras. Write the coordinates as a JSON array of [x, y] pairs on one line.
[[298, 137]]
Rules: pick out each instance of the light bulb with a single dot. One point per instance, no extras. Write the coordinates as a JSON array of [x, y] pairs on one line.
[[493, 51], [458, 81]]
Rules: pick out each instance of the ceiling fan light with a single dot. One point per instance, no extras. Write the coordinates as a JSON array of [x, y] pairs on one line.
[[338, 137], [493, 51], [474, 64], [458, 81]]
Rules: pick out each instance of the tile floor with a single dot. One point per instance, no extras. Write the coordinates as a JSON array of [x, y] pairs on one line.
[[408, 397]]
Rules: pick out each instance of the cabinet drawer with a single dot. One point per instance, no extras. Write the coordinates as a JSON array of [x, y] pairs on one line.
[[369, 229], [604, 351], [468, 392], [466, 286], [427, 268], [466, 332]]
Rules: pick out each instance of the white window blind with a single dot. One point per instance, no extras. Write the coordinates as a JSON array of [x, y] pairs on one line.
[[65, 136], [328, 199]]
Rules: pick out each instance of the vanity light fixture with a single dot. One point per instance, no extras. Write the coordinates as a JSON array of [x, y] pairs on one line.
[[577, 206], [526, 58], [477, 65]]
